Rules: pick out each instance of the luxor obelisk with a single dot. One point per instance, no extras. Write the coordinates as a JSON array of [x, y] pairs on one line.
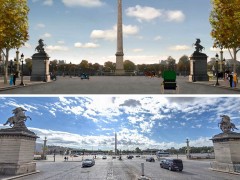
[[119, 53]]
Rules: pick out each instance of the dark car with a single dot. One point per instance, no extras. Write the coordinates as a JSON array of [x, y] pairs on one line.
[[130, 157], [84, 76], [88, 163], [104, 157], [137, 155], [172, 164], [150, 159]]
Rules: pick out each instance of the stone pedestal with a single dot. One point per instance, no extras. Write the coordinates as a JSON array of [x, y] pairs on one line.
[[40, 67], [198, 67], [17, 147], [227, 152]]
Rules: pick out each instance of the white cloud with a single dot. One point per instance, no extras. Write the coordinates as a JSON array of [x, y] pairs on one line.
[[176, 16], [111, 34], [180, 47], [137, 50], [157, 38], [47, 35], [61, 42], [48, 2], [143, 13], [149, 13], [40, 25], [84, 3], [87, 45], [56, 48]]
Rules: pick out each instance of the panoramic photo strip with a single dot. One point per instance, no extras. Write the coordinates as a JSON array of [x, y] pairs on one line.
[[121, 134]]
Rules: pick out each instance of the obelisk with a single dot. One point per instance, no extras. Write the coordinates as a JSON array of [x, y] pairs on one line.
[[115, 143], [119, 53]]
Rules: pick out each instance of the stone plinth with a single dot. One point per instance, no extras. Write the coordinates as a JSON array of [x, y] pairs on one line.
[[17, 148], [227, 152], [40, 67], [198, 67]]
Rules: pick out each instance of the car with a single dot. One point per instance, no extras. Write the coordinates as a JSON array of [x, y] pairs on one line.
[[104, 157], [84, 76], [88, 163], [150, 159], [129, 156], [172, 164], [137, 155], [114, 157]]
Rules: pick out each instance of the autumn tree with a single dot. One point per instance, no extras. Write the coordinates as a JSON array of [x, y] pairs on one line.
[[183, 64], [129, 65], [225, 22], [109, 66], [13, 27]]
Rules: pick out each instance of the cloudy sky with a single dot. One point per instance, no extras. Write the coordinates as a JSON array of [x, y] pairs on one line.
[[140, 121], [74, 30]]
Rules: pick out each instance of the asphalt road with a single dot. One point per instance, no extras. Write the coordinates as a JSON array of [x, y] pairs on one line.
[[114, 169], [116, 85]]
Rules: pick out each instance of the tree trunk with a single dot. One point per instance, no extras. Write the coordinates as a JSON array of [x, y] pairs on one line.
[[234, 59], [6, 67]]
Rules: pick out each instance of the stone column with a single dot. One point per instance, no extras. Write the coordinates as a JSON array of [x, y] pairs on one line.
[[17, 147], [198, 67], [119, 53], [227, 152], [40, 67]]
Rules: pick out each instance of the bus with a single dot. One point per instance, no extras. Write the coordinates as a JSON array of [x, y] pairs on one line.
[[162, 154]]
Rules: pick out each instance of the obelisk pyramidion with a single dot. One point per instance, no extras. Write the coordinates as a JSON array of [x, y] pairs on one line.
[[119, 53]]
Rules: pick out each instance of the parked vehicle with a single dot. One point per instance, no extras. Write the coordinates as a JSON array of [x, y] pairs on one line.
[[150, 159], [104, 157], [137, 155], [114, 157], [130, 156], [88, 163], [172, 164], [84, 76]]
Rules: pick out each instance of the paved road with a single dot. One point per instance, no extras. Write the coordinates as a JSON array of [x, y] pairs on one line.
[[113, 169], [116, 85]]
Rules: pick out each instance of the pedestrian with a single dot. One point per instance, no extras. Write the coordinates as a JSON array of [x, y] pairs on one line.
[[65, 158], [235, 79], [14, 78], [230, 76]]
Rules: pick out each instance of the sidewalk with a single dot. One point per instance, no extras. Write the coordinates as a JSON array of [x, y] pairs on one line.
[[26, 82], [222, 84]]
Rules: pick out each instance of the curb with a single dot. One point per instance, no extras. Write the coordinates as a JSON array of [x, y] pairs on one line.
[[22, 175], [223, 87], [20, 86], [236, 173]]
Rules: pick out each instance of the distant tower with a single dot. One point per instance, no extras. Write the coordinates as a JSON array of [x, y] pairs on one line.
[[115, 143], [119, 53]]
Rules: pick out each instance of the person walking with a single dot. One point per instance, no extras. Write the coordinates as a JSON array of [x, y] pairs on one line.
[[14, 78], [235, 79], [230, 76]]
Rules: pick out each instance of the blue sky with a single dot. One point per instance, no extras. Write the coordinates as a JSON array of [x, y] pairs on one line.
[[74, 30], [140, 121]]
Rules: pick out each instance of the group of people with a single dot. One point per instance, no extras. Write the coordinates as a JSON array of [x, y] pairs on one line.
[[233, 79]]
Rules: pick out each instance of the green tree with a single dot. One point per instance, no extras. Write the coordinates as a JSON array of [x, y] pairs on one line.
[[225, 22], [109, 66], [29, 65], [84, 65], [183, 64], [138, 150], [13, 27], [171, 62], [129, 65]]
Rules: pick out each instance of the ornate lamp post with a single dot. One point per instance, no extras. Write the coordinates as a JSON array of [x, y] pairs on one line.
[[224, 68], [22, 57], [217, 84]]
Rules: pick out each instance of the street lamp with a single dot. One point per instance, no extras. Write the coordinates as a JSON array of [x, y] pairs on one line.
[[224, 68], [217, 84], [22, 57]]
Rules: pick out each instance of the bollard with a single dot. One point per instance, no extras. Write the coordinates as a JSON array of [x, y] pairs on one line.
[[142, 164]]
